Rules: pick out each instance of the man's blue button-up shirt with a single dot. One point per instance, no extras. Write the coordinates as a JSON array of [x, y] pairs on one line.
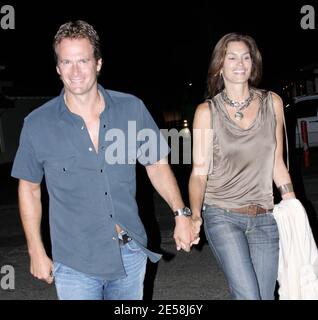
[[90, 192]]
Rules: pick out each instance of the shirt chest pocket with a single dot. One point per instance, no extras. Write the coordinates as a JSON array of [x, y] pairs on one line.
[[122, 173], [63, 173], [65, 165]]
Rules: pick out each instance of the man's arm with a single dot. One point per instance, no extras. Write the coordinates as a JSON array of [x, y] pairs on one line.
[[164, 181], [41, 265]]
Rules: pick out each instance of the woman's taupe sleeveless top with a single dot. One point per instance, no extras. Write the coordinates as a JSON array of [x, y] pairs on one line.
[[243, 159]]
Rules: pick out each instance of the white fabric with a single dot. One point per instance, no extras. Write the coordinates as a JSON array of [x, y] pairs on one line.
[[298, 255]]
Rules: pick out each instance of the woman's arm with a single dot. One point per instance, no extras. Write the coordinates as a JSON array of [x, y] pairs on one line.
[[202, 150], [281, 176]]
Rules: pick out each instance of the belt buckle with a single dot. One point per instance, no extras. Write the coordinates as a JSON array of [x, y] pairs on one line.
[[252, 210], [124, 238]]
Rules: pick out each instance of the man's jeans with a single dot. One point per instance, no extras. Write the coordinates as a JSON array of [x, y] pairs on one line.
[[247, 250], [74, 285]]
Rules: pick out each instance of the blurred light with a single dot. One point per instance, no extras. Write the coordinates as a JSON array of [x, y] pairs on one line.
[[185, 132]]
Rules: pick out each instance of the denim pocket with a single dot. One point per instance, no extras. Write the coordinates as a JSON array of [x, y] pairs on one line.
[[133, 246], [212, 211], [56, 267], [62, 270]]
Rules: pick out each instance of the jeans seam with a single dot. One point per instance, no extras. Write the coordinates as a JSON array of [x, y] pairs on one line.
[[219, 260], [213, 248]]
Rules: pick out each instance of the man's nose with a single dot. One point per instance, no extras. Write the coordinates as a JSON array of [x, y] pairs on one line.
[[75, 67]]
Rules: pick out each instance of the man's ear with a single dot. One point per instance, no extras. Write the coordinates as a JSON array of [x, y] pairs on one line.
[[99, 64], [58, 70]]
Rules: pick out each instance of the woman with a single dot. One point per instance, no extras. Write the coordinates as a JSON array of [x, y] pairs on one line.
[[233, 170]]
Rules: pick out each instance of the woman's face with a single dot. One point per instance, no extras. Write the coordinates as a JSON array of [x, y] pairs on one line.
[[237, 64]]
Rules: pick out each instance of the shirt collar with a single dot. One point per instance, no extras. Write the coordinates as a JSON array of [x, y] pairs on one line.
[[65, 113]]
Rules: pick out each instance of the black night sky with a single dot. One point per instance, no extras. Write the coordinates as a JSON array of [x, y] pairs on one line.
[[154, 49]]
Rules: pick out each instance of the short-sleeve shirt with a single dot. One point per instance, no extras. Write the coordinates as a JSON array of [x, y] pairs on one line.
[[89, 191]]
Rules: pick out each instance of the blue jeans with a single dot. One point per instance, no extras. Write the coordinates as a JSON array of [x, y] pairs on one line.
[[74, 285], [247, 250]]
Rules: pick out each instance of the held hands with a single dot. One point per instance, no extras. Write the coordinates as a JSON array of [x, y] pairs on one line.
[[186, 232]]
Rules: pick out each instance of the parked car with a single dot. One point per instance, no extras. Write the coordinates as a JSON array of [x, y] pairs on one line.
[[303, 108]]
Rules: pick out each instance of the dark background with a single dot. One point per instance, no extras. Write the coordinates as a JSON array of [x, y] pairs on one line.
[[154, 49]]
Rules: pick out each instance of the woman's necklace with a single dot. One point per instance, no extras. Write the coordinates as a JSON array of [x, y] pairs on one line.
[[238, 105]]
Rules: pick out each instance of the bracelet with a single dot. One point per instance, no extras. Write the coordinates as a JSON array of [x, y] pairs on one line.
[[286, 188]]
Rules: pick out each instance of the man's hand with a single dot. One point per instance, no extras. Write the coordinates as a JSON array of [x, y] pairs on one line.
[[186, 233], [41, 267]]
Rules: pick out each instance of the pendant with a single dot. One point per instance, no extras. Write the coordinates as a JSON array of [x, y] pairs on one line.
[[238, 115]]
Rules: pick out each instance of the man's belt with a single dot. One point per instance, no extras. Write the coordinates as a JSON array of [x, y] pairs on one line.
[[124, 238]]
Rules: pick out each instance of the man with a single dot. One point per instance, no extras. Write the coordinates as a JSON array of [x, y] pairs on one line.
[[98, 241]]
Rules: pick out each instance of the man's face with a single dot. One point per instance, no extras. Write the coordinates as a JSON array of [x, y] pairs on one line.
[[76, 65]]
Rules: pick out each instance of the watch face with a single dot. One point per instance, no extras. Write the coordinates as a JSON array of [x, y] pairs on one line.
[[183, 212], [186, 211]]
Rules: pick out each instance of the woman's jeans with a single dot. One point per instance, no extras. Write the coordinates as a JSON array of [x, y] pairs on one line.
[[74, 285], [247, 249]]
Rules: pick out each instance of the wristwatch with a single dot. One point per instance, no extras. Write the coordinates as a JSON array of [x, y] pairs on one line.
[[183, 212]]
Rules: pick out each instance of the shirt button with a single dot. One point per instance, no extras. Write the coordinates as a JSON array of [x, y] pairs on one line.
[[111, 215], [104, 125], [101, 170], [105, 193], [103, 148], [90, 149], [82, 128], [113, 238]]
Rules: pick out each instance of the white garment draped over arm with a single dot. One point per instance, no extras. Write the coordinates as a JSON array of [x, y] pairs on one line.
[[298, 255]]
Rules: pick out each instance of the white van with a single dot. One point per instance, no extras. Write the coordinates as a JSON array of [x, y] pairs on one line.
[[305, 108]]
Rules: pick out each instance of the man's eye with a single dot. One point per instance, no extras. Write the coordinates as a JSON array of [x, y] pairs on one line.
[[83, 61]]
